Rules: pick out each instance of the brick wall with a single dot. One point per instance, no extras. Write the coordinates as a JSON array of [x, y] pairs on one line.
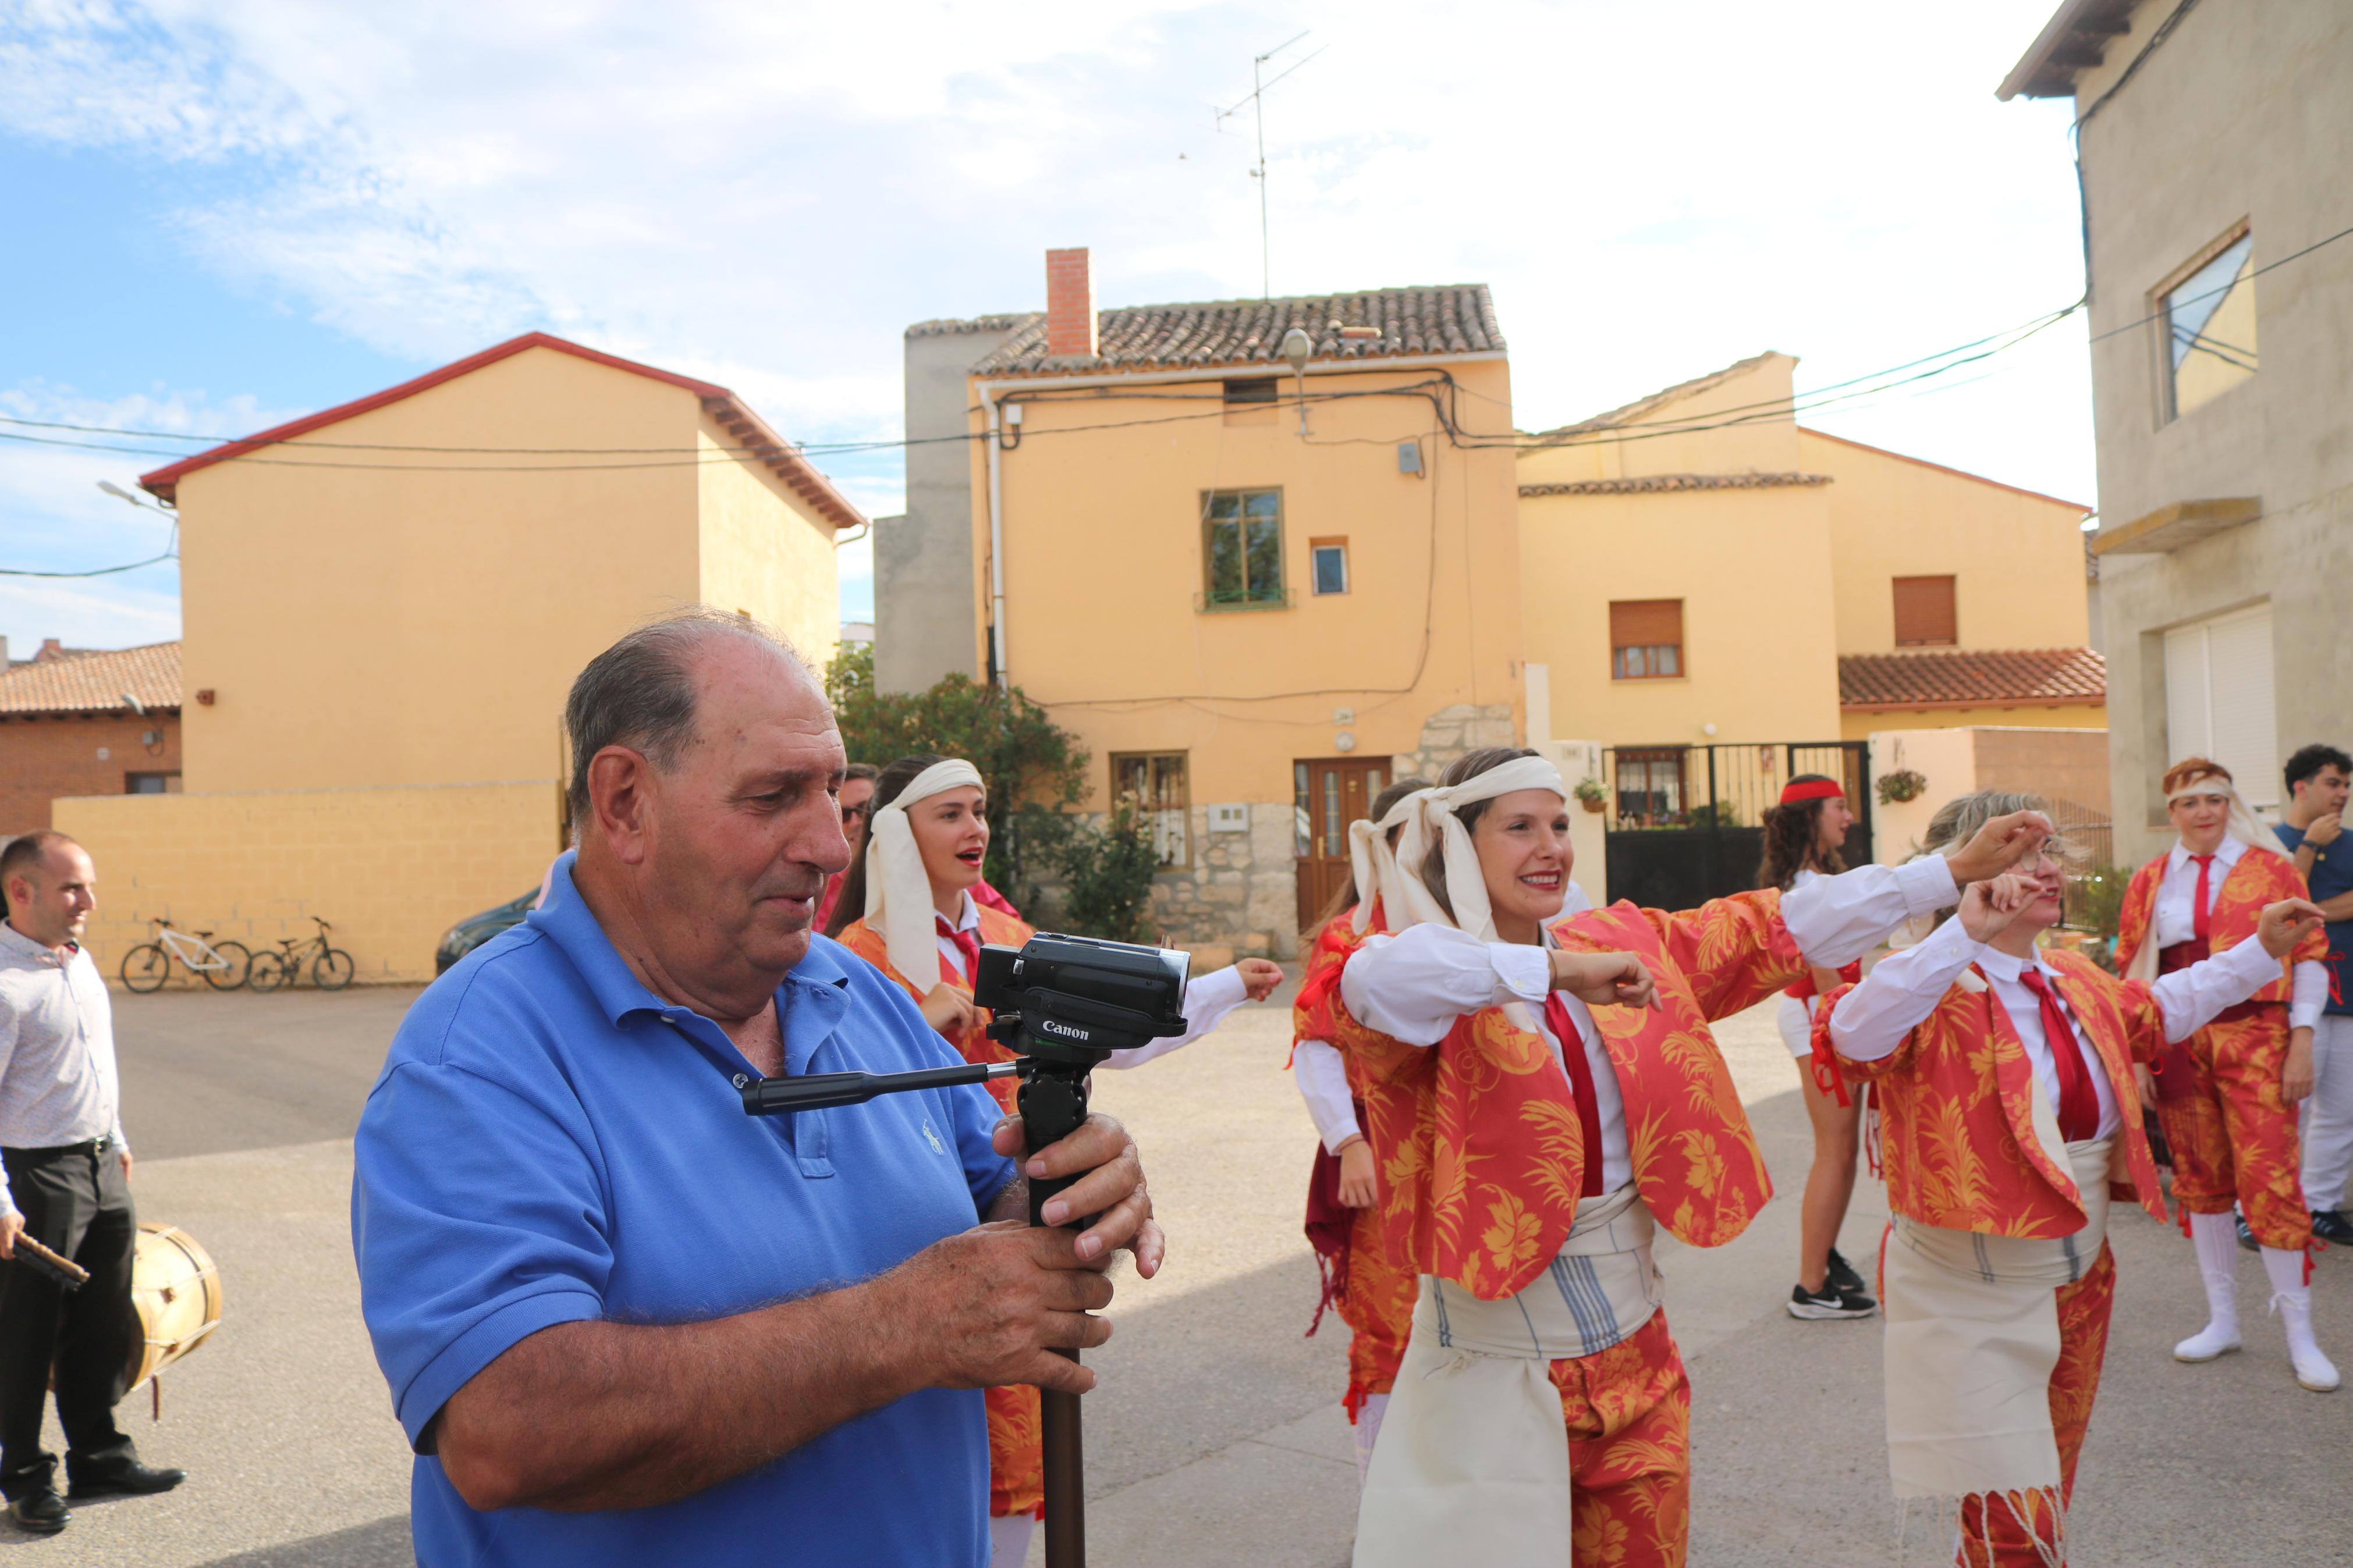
[[391, 868], [42, 759], [1070, 305]]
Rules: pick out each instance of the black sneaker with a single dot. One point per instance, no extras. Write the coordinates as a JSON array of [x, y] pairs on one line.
[[1843, 1278], [2246, 1236], [2331, 1226], [1830, 1302]]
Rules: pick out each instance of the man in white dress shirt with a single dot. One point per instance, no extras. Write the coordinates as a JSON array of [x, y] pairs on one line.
[[65, 1185]]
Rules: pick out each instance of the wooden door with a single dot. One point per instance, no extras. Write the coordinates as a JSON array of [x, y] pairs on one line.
[[1328, 794]]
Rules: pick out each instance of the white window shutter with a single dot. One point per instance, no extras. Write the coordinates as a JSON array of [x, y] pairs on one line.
[[2245, 716], [2188, 732]]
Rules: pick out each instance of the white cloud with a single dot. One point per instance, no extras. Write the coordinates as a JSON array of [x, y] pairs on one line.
[[767, 196]]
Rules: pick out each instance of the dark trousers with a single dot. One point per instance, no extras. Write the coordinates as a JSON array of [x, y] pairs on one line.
[[76, 1203]]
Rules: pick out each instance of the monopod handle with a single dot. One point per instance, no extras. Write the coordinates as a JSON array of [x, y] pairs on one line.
[[813, 1091], [1053, 1105]]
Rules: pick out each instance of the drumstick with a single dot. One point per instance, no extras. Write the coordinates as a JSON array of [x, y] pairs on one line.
[[41, 1260]]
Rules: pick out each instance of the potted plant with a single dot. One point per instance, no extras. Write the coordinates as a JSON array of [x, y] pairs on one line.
[[1900, 786], [1592, 793]]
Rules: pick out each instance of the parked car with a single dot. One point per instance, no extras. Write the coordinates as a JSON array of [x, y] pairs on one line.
[[475, 929]]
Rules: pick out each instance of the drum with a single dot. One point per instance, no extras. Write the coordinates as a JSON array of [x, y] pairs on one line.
[[176, 1299]]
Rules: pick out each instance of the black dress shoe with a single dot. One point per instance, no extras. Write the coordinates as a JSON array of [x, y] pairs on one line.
[[42, 1513], [2246, 1235], [130, 1478], [2332, 1226]]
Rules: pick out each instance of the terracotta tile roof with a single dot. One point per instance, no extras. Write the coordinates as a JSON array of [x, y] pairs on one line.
[[77, 681], [1658, 484], [763, 445], [1452, 319], [1971, 678]]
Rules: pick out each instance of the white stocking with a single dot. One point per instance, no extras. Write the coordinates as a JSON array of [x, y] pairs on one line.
[[2216, 1241], [1008, 1540], [1368, 1431], [2292, 1299]]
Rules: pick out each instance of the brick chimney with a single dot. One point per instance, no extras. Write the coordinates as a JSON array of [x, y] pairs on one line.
[[1070, 305], [51, 648]]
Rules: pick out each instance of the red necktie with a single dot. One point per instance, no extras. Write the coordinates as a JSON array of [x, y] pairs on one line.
[[2199, 923], [1581, 1084], [2079, 1105], [967, 944]]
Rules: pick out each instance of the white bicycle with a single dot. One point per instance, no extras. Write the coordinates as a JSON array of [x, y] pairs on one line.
[[223, 964]]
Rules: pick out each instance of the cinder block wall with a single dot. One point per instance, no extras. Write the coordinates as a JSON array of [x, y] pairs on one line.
[[390, 868]]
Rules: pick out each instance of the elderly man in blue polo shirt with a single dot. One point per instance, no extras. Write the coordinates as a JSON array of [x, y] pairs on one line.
[[623, 1321]]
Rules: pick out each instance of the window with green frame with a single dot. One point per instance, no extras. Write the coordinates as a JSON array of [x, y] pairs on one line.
[[1241, 548]]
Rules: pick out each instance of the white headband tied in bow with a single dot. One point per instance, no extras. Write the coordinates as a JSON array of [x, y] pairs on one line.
[[1433, 823], [1374, 862], [898, 890]]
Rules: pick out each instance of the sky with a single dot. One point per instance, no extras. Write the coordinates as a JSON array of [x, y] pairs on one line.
[[222, 214]]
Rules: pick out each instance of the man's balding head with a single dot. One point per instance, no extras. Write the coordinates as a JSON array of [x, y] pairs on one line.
[[48, 885], [705, 761]]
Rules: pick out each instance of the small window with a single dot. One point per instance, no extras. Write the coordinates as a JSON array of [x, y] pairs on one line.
[[1241, 549], [1258, 389], [1153, 783], [2209, 327], [1924, 615], [151, 784], [1649, 786], [1328, 557], [1646, 639]]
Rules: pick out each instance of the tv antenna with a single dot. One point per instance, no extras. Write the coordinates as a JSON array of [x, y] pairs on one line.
[[1257, 100]]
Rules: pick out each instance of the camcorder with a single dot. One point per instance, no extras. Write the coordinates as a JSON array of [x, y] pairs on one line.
[[1062, 1004]]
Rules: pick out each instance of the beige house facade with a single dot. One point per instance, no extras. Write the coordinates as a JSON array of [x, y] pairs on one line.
[[2214, 143]]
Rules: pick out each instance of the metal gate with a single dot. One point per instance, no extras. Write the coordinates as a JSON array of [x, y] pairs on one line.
[[1686, 823]]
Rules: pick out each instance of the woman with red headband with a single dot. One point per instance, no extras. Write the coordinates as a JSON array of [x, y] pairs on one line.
[[1802, 838], [2226, 1096]]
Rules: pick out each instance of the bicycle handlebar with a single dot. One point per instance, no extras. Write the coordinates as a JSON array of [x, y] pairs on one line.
[[322, 924]]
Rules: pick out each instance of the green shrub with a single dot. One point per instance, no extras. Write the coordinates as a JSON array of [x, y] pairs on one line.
[[2096, 898], [1107, 876], [1034, 767]]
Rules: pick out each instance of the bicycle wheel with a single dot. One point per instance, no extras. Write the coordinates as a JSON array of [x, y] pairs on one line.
[[145, 967], [268, 971], [332, 970], [236, 960]]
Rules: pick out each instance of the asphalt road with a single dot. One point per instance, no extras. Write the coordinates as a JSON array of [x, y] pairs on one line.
[[1216, 1437]]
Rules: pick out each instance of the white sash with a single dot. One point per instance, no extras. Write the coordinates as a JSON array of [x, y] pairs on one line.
[[1472, 1461], [1972, 1339]]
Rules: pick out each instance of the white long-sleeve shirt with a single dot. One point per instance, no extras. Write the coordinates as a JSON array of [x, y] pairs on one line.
[[2175, 920], [1413, 986], [1903, 988], [57, 1080], [1206, 1001], [1323, 1080]]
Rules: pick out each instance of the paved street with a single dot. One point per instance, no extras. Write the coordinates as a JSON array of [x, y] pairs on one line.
[[1215, 1437]]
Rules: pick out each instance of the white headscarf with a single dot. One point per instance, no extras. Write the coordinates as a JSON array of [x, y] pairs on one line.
[[898, 890], [1433, 822], [2243, 825], [1373, 861]]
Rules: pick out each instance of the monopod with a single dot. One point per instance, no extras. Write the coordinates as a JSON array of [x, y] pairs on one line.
[[1062, 1004]]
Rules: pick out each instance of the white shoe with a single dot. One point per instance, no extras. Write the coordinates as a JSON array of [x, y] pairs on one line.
[[2213, 1341], [2313, 1370]]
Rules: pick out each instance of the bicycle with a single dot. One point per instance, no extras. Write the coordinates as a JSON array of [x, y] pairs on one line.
[[330, 967], [224, 965]]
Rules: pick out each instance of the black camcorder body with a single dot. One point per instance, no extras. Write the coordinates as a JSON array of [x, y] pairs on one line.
[[1075, 999]]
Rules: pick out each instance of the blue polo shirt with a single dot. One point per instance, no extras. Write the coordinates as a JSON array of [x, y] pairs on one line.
[[2332, 873], [551, 1143]]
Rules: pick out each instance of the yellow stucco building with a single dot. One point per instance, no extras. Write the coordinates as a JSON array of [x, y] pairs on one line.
[[1259, 587], [385, 604], [1255, 593]]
